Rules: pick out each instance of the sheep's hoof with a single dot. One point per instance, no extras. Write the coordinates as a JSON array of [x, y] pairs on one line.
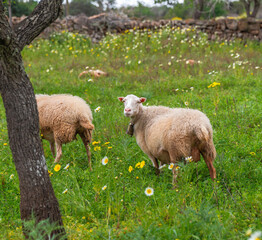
[[157, 170]]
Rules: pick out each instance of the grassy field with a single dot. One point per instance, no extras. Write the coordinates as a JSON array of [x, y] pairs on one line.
[[110, 202]]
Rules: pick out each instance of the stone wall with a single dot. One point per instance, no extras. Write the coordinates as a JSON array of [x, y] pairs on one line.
[[98, 26]]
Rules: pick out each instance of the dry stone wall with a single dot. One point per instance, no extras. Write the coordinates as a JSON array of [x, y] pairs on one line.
[[98, 26]]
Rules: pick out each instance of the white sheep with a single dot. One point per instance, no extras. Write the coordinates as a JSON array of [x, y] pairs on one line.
[[61, 118], [170, 134]]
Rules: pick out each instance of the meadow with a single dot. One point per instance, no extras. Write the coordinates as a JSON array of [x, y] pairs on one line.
[[224, 81]]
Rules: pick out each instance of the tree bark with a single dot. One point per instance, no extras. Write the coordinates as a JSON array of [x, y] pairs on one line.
[[36, 192], [247, 5]]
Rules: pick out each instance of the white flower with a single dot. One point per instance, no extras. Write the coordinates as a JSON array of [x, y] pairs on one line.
[[171, 165], [65, 191], [67, 166], [186, 103], [149, 191], [104, 188], [90, 80], [139, 61], [105, 160], [189, 159], [256, 236], [162, 166], [12, 176], [97, 109]]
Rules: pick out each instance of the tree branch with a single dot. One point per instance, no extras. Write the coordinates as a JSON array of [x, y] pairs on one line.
[[42, 16]]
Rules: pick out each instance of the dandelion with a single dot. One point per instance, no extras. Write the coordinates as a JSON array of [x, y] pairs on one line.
[[94, 142], [137, 177], [57, 167], [65, 191], [97, 148], [142, 164], [97, 109], [5, 144], [149, 191], [130, 169], [67, 166], [256, 236], [137, 165], [171, 165], [50, 173], [104, 188], [214, 84], [105, 160], [12, 176]]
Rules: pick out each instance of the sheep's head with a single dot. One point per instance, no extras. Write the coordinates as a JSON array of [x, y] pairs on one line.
[[132, 104]]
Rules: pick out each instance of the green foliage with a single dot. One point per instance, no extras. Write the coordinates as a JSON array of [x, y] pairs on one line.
[[171, 67], [20, 8], [77, 7]]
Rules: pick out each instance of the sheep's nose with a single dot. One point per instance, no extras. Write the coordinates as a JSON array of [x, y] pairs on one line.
[[127, 110]]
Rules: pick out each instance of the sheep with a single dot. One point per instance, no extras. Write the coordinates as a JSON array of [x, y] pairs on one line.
[[170, 134], [61, 118]]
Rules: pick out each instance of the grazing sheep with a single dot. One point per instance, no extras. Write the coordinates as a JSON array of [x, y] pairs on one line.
[[169, 134], [61, 118]]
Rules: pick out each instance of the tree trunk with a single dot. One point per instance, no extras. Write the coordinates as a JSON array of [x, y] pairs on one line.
[[36, 192], [247, 4], [198, 8], [10, 13]]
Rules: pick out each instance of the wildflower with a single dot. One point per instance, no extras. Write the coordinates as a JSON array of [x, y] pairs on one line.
[[106, 143], [94, 142], [192, 88], [97, 109], [29, 65], [142, 164], [171, 165], [137, 165], [12, 176], [256, 236], [130, 169], [70, 48], [162, 166], [97, 148], [50, 173], [169, 63], [149, 191], [105, 160], [65, 191], [104, 188], [137, 177], [5, 144], [189, 159], [249, 232], [109, 147], [177, 167], [83, 217], [67, 166], [57, 167], [116, 177], [186, 103], [214, 84], [139, 61], [252, 153]]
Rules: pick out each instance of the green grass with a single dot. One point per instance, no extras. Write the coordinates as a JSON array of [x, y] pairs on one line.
[[153, 65]]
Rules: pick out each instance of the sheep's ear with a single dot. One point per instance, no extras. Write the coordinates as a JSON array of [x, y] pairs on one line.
[[121, 99], [142, 99]]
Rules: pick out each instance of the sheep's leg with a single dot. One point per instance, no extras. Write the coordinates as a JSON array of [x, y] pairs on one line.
[[58, 152], [52, 148], [85, 141], [155, 163], [209, 163], [195, 153]]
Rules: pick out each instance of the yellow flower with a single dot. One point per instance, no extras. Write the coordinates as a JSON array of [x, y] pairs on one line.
[[138, 165], [130, 169], [109, 147], [97, 148], [214, 84], [252, 153], [50, 173], [142, 164], [5, 144], [97, 109], [57, 167], [137, 177], [94, 142], [106, 143], [70, 48], [83, 217]]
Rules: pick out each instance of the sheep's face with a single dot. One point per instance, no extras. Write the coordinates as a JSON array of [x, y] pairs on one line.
[[132, 104]]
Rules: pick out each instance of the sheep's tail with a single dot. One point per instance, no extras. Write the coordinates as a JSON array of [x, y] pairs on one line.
[[205, 137]]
